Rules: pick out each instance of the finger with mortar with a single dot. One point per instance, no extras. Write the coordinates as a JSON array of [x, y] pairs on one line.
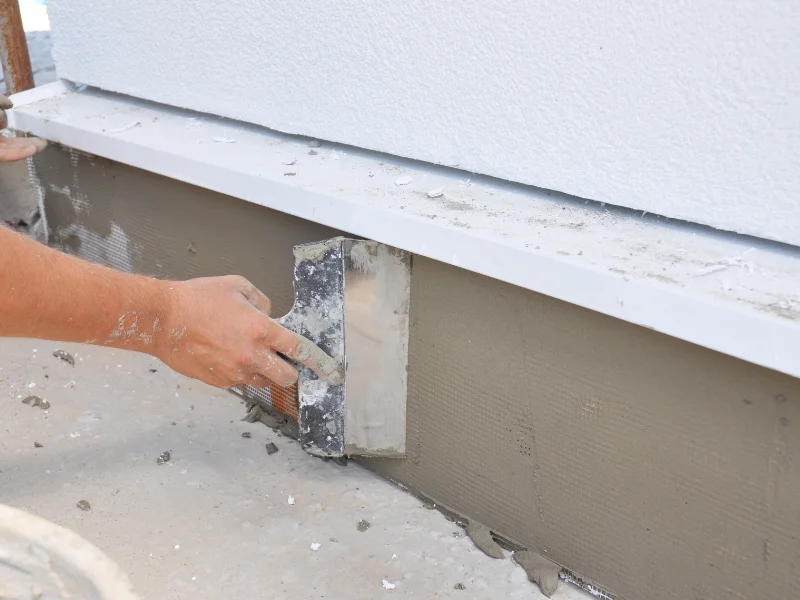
[[309, 354]]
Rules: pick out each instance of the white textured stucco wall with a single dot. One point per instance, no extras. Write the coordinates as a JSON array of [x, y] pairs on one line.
[[685, 109]]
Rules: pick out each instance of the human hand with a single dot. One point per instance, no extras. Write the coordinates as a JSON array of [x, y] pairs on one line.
[[12, 149], [218, 330]]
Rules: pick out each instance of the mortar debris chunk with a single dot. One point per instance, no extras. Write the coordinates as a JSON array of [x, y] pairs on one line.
[[271, 449], [83, 505], [164, 457], [363, 525], [482, 538], [32, 400], [540, 570], [65, 356]]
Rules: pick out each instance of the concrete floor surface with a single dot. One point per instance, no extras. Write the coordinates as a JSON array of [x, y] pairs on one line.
[[216, 520]]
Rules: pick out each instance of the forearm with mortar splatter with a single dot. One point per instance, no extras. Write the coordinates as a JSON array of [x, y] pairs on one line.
[[215, 329]]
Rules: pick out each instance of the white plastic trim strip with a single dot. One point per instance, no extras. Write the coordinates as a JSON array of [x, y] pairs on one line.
[[733, 294]]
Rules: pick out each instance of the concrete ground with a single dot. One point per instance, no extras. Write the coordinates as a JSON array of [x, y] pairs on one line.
[[216, 520]]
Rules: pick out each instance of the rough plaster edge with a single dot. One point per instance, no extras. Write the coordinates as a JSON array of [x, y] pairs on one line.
[[733, 294], [43, 232], [505, 542]]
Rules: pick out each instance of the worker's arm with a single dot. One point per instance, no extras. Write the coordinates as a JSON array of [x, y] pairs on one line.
[[214, 329]]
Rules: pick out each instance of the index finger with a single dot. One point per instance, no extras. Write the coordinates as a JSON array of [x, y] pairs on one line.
[[257, 298], [308, 353]]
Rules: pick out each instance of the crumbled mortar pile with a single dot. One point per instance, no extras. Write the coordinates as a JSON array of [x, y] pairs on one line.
[[261, 410]]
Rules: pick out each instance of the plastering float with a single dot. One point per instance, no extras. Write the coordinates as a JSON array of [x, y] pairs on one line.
[[352, 300]]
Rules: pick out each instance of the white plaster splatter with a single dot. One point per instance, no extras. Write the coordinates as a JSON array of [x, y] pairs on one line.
[[388, 585], [124, 128], [194, 122], [709, 270], [436, 193], [312, 391], [315, 546], [403, 180]]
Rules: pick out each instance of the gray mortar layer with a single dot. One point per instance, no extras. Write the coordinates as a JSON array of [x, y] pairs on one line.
[[642, 464]]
